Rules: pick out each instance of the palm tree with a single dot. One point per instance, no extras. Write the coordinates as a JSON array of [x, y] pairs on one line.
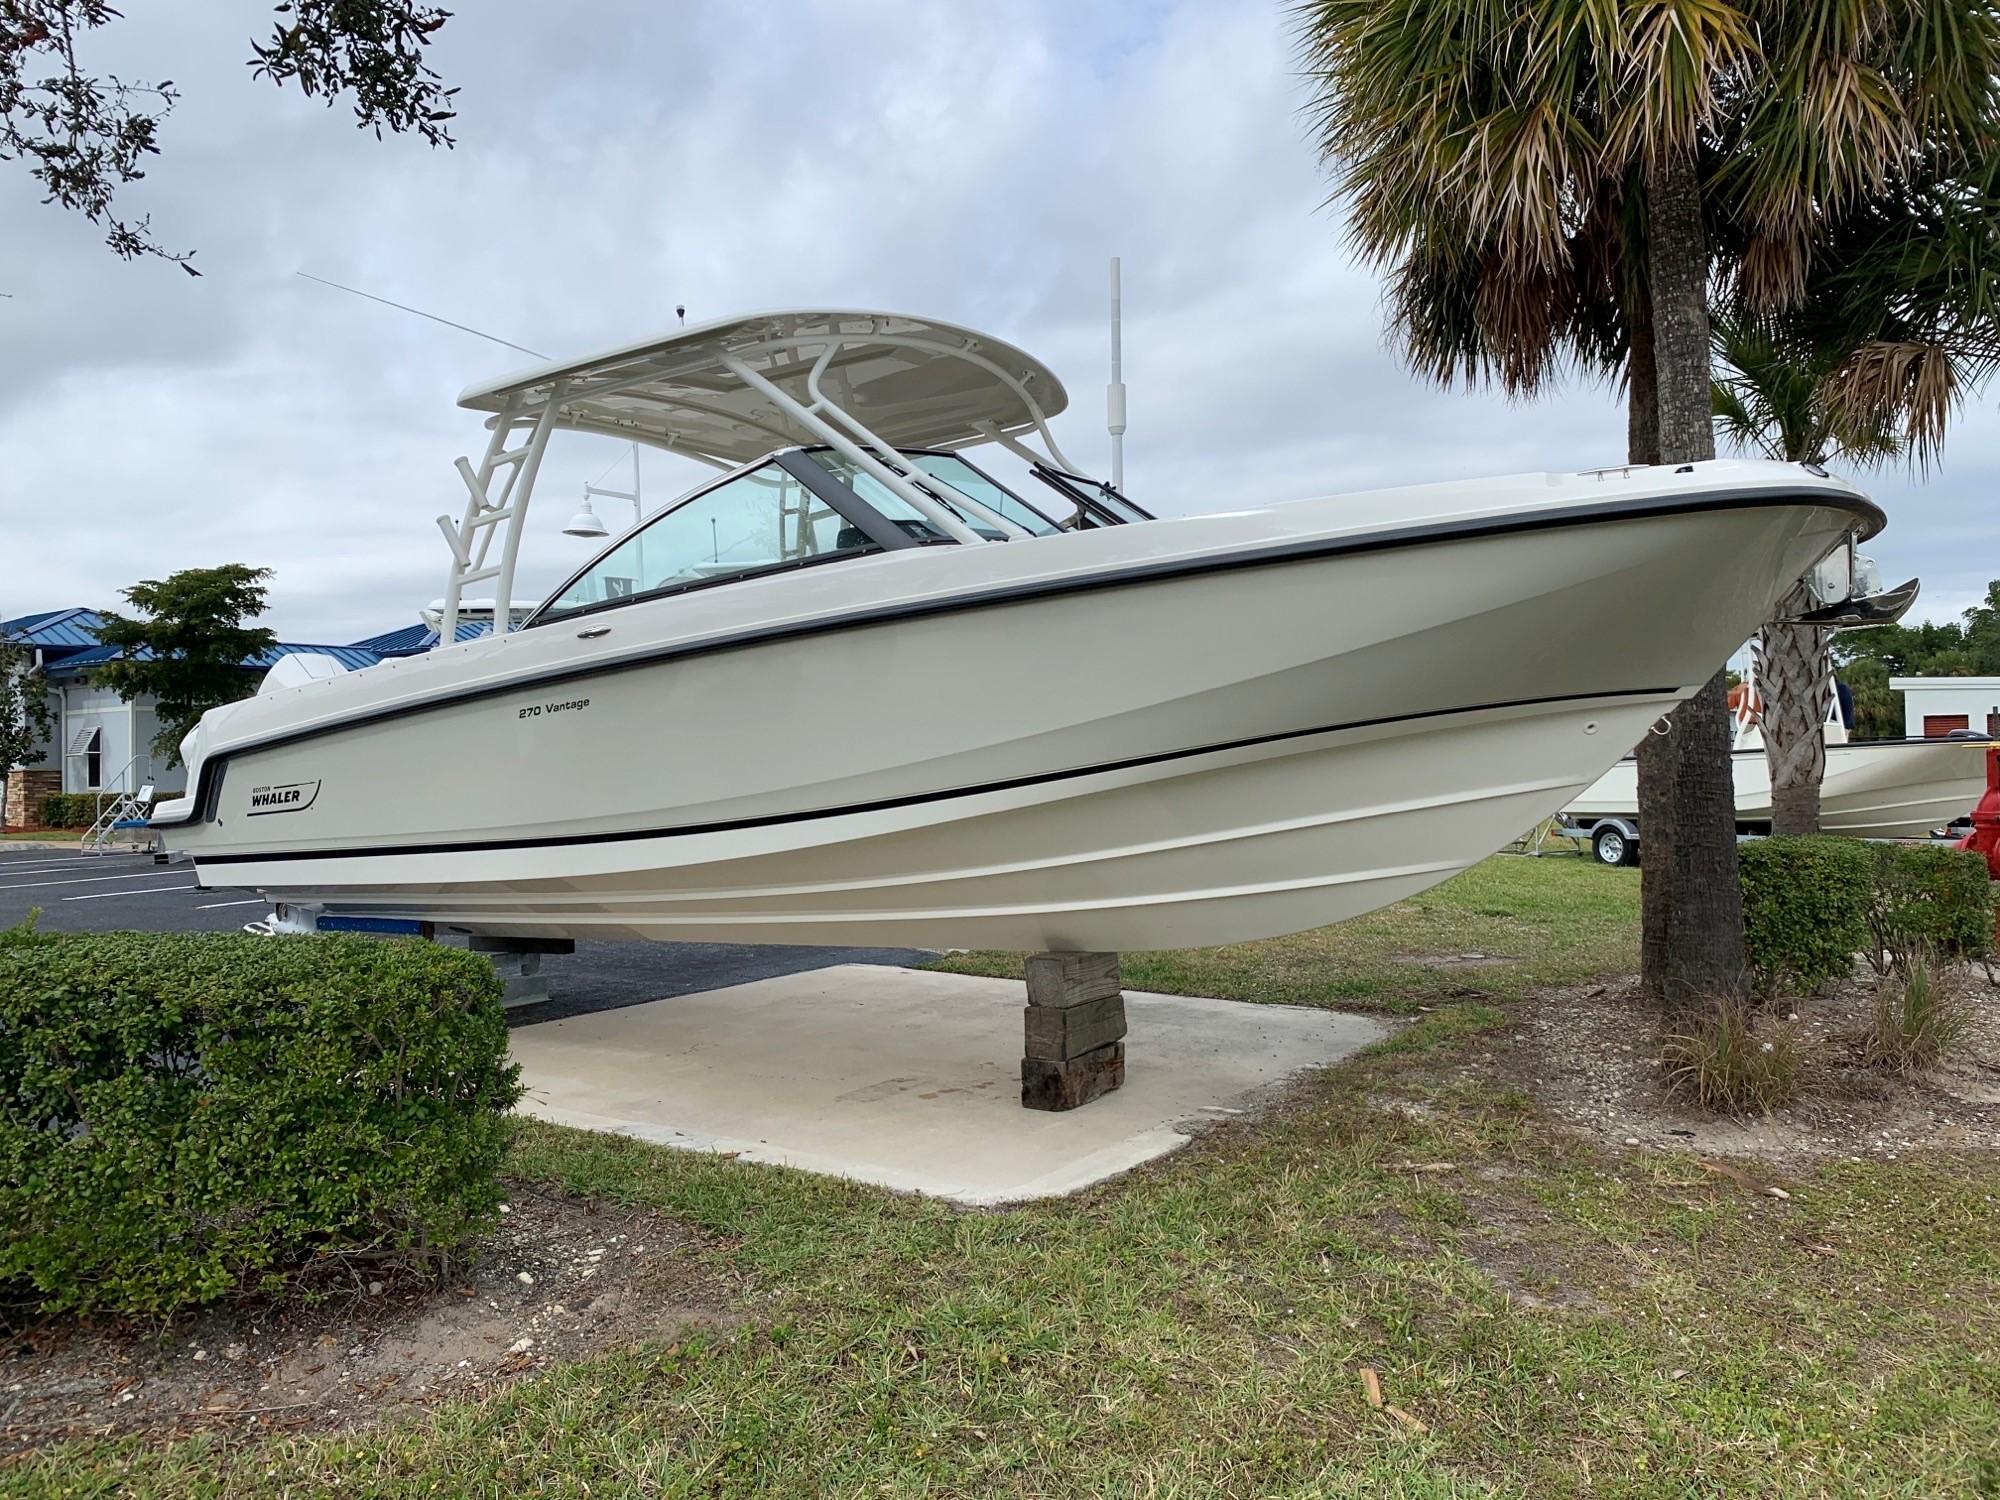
[[1773, 396], [1565, 183], [1900, 320]]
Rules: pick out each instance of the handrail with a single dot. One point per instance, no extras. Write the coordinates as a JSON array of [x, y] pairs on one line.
[[120, 790]]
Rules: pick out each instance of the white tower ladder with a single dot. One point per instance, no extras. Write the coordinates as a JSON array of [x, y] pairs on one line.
[[470, 538]]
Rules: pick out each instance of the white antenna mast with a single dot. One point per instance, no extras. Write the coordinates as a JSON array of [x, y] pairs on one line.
[[1114, 394], [491, 338]]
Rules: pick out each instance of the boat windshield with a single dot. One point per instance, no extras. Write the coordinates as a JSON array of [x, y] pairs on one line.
[[1097, 503], [757, 522], [988, 491], [795, 509], [955, 472]]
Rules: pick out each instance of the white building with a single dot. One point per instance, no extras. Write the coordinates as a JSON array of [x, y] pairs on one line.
[[103, 744], [1935, 706]]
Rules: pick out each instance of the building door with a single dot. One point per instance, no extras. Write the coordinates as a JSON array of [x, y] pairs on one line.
[[1937, 726]]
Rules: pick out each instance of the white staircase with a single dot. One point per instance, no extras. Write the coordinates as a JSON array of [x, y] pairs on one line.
[[126, 815]]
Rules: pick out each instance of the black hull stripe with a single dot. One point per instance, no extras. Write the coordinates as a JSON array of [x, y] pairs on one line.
[[886, 804], [1137, 573]]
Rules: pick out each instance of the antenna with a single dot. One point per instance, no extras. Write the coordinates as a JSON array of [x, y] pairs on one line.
[[419, 312], [681, 313], [1114, 393]]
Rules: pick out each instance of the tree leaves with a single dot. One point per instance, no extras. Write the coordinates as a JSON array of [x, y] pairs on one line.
[[1488, 154], [86, 137], [191, 650], [372, 49], [26, 720]]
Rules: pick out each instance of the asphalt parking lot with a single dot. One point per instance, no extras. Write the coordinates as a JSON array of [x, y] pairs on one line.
[[78, 892]]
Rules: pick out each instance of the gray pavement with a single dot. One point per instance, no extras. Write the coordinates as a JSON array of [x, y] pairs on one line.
[[128, 892]]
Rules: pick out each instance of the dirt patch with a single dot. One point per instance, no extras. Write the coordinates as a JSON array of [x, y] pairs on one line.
[[1451, 961], [1528, 1272], [561, 1279], [1589, 1057]]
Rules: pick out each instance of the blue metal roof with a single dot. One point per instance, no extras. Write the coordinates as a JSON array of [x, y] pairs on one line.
[[55, 629], [412, 639], [68, 638], [351, 657]]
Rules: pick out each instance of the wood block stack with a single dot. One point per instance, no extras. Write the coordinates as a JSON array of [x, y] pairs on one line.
[[1075, 1028]]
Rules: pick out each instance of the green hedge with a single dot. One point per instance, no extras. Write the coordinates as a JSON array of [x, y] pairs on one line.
[[1934, 897], [1805, 909], [71, 809], [1810, 904], [80, 809], [183, 1116]]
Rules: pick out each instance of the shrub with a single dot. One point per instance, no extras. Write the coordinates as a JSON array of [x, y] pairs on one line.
[[1921, 1013], [1805, 909], [80, 809], [1720, 1061], [182, 1116], [71, 809], [1939, 900]]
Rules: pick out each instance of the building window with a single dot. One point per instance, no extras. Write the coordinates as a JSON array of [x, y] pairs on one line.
[[87, 745]]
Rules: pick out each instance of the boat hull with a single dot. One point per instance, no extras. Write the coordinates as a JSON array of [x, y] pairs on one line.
[[1118, 762], [1874, 789]]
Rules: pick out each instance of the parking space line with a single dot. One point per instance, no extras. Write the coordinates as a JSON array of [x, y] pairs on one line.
[[35, 885], [144, 890], [253, 901], [36, 867]]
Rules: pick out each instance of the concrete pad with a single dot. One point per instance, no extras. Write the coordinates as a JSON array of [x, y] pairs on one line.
[[907, 1079]]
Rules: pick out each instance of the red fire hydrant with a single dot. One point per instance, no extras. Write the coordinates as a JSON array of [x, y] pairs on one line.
[[1985, 836]]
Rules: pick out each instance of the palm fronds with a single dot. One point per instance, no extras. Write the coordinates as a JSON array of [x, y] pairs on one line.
[[1488, 155]]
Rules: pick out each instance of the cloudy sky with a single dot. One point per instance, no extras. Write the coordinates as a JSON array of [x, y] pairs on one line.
[[975, 163]]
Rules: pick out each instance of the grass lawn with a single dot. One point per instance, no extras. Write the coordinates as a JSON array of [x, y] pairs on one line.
[[1550, 1320], [1556, 920]]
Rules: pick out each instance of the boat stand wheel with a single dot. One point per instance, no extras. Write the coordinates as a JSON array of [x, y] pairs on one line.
[[1609, 846]]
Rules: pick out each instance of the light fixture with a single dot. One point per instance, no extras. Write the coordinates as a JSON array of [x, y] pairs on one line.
[[585, 522]]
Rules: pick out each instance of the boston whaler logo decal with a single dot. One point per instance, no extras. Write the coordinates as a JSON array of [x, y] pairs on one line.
[[285, 796]]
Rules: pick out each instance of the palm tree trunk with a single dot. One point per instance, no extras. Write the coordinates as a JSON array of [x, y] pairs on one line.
[[1696, 955], [1642, 390], [1792, 674], [1656, 775]]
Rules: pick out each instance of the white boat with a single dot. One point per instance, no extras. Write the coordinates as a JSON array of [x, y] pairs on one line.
[[855, 691], [1872, 789]]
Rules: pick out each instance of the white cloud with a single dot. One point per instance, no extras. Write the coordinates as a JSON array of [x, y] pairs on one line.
[[974, 162]]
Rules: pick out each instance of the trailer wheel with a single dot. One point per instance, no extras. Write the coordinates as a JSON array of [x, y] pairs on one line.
[[1609, 846]]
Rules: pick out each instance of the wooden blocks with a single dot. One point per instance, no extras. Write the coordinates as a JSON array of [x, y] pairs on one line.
[[1060, 1035], [1074, 1027], [1061, 980], [1066, 1085]]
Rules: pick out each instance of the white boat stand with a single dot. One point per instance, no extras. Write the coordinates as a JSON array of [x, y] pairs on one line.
[[518, 961]]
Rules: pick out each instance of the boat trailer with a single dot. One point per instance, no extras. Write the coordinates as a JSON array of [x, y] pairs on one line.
[[1615, 840]]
